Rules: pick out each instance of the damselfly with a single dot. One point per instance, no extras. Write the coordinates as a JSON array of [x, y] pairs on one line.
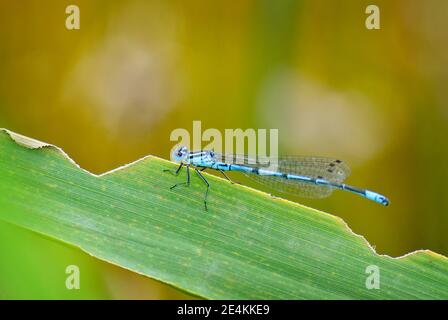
[[312, 177]]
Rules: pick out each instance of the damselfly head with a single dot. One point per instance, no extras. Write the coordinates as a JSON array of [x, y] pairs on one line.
[[179, 154]]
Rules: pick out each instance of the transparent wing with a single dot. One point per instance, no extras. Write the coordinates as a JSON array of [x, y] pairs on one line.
[[333, 170]]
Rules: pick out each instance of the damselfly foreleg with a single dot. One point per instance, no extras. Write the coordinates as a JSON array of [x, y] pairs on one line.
[[175, 172], [188, 177]]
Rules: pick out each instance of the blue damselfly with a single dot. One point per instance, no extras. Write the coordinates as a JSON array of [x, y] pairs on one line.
[[311, 177]]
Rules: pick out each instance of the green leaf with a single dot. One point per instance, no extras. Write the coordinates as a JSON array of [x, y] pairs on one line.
[[247, 246]]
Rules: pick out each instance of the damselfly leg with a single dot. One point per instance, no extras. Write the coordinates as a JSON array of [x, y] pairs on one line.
[[187, 183], [207, 184], [225, 176], [175, 172]]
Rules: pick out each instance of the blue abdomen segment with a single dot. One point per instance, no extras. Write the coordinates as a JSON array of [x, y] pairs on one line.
[[378, 198]]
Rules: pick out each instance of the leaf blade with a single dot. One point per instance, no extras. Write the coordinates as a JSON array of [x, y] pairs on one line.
[[248, 246]]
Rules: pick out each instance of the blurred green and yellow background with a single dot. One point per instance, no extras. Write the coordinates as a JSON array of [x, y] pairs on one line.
[[114, 90]]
